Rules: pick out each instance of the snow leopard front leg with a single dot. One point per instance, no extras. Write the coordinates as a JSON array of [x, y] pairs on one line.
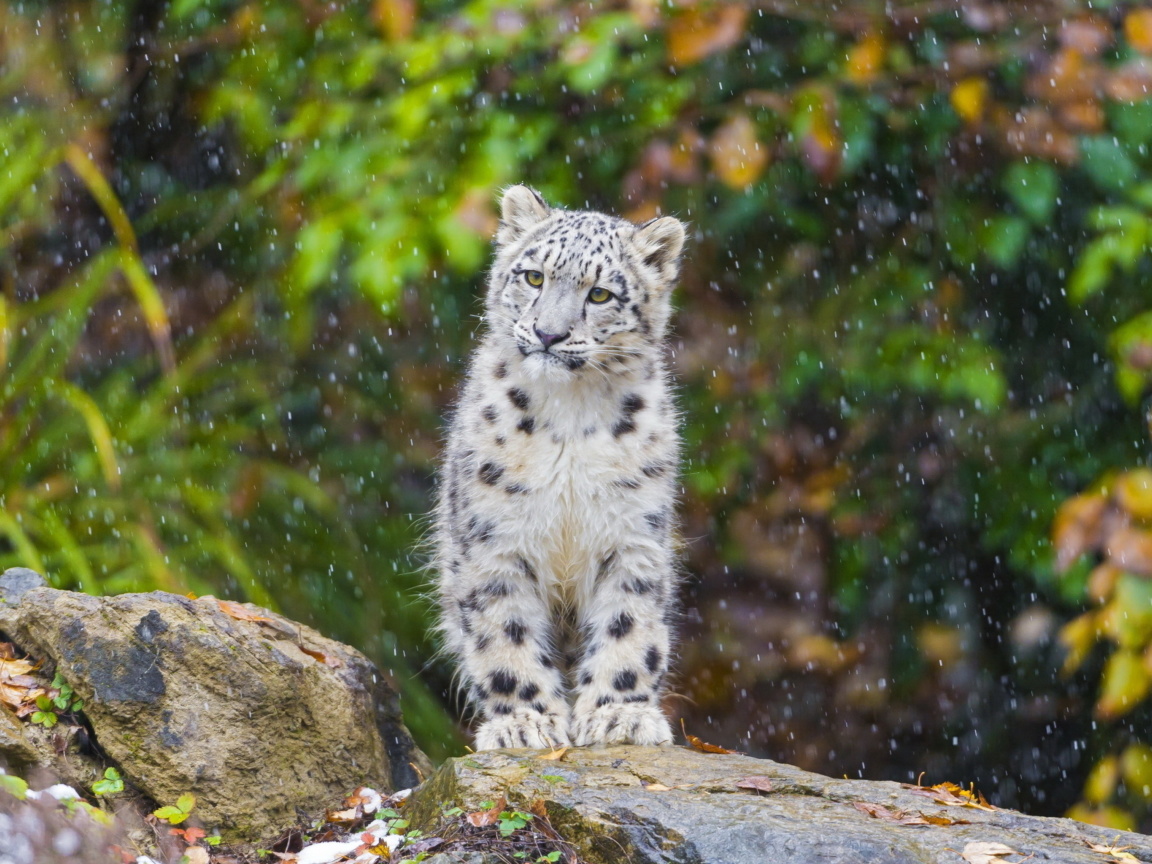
[[627, 640], [500, 617]]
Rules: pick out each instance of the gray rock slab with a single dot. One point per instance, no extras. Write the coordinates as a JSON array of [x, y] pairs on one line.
[[643, 805]]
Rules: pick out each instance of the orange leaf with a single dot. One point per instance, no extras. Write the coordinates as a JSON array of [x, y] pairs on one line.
[[482, 818], [1076, 529], [865, 59], [969, 98], [703, 746], [1138, 30], [698, 32], [738, 158], [395, 18], [239, 611], [555, 755], [327, 660], [1131, 549]]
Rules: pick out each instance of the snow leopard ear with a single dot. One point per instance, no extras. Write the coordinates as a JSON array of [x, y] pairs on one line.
[[659, 243], [520, 209]]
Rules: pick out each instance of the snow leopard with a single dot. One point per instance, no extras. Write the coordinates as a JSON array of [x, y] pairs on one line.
[[555, 530]]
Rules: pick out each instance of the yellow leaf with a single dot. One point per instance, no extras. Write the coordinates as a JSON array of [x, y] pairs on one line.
[[395, 18], [1078, 636], [1102, 779], [700, 32], [738, 157], [1136, 768], [1117, 852], [969, 98], [865, 59], [1106, 817], [1133, 492], [1138, 30], [1125, 682]]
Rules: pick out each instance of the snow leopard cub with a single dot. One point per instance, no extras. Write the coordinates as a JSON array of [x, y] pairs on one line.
[[554, 537]]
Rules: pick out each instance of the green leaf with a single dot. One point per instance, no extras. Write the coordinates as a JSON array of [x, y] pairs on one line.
[[186, 802], [1004, 240], [47, 719], [171, 815], [13, 785], [1108, 164], [1092, 272], [1033, 187]]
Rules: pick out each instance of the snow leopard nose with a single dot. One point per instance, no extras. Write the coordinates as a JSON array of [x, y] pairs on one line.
[[549, 339]]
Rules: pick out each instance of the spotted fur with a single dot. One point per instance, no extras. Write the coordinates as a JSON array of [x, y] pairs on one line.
[[554, 526]]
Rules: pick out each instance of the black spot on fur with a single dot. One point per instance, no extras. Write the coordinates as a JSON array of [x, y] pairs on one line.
[[632, 403], [604, 700], [637, 697], [515, 489], [491, 473], [628, 483], [502, 709], [639, 586], [657, 521], [504, 682], [538, 707], [501, 440], [526, 569], [605, 566], [656, 470], [483, 642], [514, 630], [623, 426], [496, 588], [629, 407], [545, 660], [586, 679], [519, 398], [527, 425], [652, 659], [625, 680], [529, 692], [501, 370], [621, 627], [489, 413]]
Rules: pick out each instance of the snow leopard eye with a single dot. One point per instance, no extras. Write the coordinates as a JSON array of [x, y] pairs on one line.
[[534, 278], [600, 295]]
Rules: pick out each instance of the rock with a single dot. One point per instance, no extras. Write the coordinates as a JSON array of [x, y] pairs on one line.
[[15, 582], [643, 804], [261, 718]]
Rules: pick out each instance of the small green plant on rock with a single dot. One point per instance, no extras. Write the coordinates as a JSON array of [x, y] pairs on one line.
[[112, 783], [176, 815]]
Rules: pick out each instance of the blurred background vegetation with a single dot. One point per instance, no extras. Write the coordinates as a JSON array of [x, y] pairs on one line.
[[242, 246]]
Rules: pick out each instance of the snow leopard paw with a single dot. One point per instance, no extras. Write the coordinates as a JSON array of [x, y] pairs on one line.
[[615, 723], [523, 728]]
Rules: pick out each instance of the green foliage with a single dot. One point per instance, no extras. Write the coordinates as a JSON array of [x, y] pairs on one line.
[[174, 815], [111, 784]]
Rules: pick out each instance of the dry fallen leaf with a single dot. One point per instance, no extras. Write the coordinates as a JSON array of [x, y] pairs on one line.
[[953, 796], [555, 755], [239, 612], [703, 746], [196, 855], [756, 784], [879, 811], [987, 853], [1117, 852], [327, 660], [482, 818]]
